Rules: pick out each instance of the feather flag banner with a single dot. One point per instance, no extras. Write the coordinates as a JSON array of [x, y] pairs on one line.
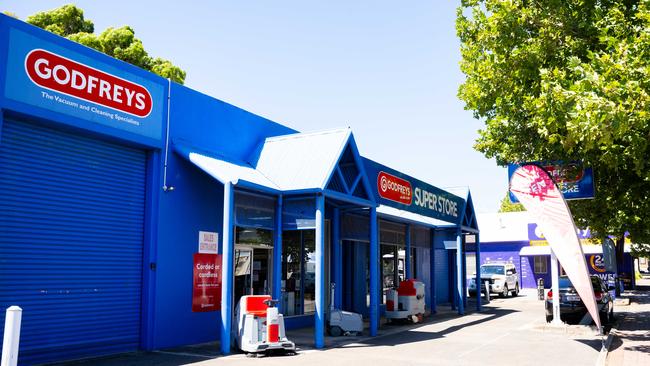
[[535, 189]]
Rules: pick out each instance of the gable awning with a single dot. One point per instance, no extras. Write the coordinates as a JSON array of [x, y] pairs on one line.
[[468, 220], [300, 162]]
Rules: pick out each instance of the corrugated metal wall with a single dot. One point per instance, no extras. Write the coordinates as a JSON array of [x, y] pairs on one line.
[[442, 276], [71, 239]]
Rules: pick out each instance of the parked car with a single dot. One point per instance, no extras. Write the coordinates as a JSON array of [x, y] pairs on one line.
[[502, 277], [571, 305]]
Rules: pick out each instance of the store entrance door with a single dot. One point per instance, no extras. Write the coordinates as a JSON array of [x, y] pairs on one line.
[[253, 268]]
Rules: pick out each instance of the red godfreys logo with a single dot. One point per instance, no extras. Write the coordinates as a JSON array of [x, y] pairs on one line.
[[63, 75], [394, 188]]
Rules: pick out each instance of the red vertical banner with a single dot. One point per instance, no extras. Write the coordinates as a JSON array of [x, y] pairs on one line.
[[206, 289]]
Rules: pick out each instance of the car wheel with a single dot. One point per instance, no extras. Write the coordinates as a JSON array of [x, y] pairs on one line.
[[506, 292], [516, 293]]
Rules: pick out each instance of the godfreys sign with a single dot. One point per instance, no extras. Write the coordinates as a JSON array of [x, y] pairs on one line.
[[398, 190], [75, 79], [78, 82], [394, 188]]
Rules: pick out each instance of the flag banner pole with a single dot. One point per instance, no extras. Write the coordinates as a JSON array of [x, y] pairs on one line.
[[535, 189]]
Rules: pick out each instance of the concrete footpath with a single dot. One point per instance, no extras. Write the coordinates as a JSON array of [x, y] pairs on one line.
[[631, 335], [511, 331]]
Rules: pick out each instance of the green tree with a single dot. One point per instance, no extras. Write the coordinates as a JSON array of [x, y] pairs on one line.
[[508, 206], [64, 21], [68, 21], [566, 80]]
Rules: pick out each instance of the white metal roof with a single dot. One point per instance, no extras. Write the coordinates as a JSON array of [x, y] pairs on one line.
[[224, 171], [289, 162], [410, 216], [507, 226], [546, 250], [302, 160]]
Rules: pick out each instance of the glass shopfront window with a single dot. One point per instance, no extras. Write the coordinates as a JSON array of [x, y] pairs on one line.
[[299, 272], [309, 270], [388, 268]]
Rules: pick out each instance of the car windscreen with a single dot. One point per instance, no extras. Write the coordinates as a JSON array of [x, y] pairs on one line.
[[490, 270]]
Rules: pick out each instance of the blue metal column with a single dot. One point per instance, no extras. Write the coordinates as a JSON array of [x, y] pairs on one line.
[[227, 267], [374, 273], [407, 254], [479, 305], [338, 258], [464, 282], [319, 317], [460, 296], [432, 270], [277, 255]]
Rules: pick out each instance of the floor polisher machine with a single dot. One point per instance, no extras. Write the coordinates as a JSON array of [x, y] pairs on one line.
[[261, 326], [406, 302]]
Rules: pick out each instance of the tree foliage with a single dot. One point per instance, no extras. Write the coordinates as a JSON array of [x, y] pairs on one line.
[[508, 206], [566, 80], [68, 21]]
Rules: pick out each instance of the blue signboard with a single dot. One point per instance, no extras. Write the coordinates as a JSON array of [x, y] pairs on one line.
[[398, 190], [47, 75], [573, 179]]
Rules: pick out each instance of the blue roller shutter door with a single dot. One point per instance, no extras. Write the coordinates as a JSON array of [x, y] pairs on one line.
[[442, 276], [71, 238]]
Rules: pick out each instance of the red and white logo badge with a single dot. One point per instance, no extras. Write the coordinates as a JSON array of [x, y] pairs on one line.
[[72, 78], [394, 188]]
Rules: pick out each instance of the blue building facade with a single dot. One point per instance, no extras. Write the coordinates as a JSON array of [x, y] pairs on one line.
[[515, 238], [110, 174]]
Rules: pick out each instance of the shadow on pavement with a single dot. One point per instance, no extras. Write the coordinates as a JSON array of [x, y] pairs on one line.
[[415, 335]]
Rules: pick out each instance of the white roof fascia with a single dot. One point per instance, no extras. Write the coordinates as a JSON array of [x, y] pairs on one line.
[[410, 216], [224, 171]]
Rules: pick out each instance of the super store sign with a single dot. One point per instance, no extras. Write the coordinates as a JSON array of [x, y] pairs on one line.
[[409, 194], [46, 75]]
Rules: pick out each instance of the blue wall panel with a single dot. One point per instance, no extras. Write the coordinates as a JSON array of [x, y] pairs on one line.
[[212, 125], [195, 204]]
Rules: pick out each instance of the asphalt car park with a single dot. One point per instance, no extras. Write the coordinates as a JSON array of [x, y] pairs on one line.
[[510, 331]]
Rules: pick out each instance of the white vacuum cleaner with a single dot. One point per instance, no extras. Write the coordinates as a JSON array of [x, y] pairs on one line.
[[261, 326], [343, 322], [407, 302]]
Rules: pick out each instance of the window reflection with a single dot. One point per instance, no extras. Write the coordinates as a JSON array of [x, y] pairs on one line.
[[299, 272], [310, 270]]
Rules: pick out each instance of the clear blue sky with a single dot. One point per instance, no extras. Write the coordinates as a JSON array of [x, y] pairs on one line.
[[387, 69]]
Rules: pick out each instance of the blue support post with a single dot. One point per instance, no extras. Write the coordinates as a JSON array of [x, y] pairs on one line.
[[227, 267], [464, 282], [432, 269], [460, 296], [319, 317], [338, 258], [374, 273], [407, 250], [479, 305], [277, 255]]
